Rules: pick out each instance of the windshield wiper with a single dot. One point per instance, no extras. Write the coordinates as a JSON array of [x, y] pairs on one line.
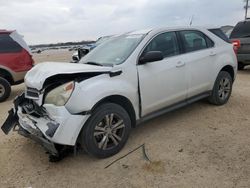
[[93, 63]]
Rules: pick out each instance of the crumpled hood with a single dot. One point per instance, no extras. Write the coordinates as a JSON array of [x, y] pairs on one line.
[[38, 74]]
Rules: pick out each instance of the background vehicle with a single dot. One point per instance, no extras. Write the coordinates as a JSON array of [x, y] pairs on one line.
[[241, 33], [15, 61], [87, 48], [125, 81]]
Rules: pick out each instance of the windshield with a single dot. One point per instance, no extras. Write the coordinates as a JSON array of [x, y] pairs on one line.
[[114, 51], [241, 30], [101, 40]]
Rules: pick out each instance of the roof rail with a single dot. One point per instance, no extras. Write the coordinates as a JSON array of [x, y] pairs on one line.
[[4, 31]]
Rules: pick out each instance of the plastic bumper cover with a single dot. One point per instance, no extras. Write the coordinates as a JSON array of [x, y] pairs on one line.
[[58, 126]]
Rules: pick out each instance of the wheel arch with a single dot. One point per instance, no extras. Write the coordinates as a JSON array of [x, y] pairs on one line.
[[230, 70], [122, 101], [6, 75]]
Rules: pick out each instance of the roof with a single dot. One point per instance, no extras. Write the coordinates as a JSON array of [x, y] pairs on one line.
[[246, 20], [3, 31], [139, 32], [159, 29]]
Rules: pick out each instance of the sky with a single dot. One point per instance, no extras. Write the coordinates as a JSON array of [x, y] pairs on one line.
[[51, 21]]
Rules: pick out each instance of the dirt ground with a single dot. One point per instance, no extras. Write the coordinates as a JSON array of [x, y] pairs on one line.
[[200, 145]]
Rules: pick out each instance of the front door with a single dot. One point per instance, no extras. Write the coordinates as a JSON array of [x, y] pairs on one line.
[[162, 83]]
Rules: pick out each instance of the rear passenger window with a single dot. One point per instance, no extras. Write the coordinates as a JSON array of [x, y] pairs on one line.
[[8, 45], [195, 40], [166, 43]]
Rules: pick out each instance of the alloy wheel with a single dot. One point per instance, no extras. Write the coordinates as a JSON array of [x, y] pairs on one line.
[[109, 131], [224, 88]]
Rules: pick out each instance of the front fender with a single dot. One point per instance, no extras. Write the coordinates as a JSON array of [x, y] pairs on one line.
[[89, 92]]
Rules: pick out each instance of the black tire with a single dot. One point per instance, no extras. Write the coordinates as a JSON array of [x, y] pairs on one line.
[[5, 89], [98, 137], [222, 89], [241, 66]]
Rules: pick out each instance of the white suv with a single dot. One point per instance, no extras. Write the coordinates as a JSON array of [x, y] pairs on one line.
[[121, 83]]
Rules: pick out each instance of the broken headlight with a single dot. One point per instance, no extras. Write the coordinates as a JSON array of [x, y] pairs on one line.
[[60, 95]]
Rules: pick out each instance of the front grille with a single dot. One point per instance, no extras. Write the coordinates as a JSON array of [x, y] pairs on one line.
[[32, 93]]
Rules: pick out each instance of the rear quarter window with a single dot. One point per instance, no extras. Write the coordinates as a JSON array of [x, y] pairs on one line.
[[220, 34], [8, 45], [241, 30]]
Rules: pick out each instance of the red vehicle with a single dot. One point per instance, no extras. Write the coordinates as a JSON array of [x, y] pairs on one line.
[[15, 61]]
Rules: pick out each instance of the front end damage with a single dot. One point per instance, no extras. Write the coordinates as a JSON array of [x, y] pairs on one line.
[[46, 111], [21, 120], [52, 127]]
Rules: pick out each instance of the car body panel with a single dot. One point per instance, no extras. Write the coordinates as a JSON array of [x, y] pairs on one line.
[[37, 76], [67, 131], [199, 71], [244, 58], [245, 46], [156, 83], [89, 92]]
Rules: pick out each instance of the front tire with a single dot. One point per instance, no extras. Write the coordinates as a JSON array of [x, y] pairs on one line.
[[106, 131], [222, 89], [5, 89]]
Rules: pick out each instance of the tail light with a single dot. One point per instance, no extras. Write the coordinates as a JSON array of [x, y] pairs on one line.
[[236, 45]]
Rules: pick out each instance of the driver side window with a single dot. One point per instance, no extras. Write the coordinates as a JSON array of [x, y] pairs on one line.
[[165, 43]]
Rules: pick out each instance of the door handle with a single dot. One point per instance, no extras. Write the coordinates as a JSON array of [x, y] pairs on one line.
[[180, 64], [212, 54]]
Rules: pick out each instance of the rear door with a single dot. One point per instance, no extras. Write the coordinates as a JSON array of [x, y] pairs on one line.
[[200, 56], [162, 83]]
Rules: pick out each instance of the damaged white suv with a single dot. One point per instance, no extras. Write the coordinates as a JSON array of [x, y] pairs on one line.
[[124, 81]]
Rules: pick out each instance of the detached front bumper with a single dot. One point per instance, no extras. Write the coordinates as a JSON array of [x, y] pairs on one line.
[[48, 125]]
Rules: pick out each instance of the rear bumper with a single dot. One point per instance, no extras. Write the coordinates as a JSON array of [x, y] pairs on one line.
[[48, 125], [244, 58]]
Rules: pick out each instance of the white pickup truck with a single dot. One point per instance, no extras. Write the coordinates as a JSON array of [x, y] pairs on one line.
[[127, 80]]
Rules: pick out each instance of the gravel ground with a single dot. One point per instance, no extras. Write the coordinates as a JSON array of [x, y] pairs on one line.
[[200, 145]]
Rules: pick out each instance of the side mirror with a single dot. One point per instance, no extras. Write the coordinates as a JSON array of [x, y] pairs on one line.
[[151, 56]]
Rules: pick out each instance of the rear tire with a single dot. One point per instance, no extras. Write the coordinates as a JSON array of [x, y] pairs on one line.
[[222, 89], [106, 131], [241, 66], [5, 89]]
